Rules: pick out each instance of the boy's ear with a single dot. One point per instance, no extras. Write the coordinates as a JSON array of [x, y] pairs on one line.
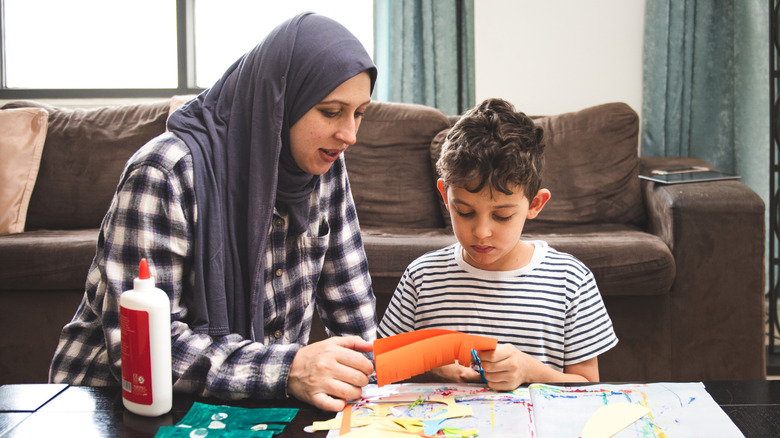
[[541, 198], [443, 192]]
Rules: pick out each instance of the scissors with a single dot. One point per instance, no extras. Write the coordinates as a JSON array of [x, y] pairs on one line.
[[476, 365]]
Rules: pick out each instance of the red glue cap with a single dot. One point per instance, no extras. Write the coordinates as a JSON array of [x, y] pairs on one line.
[[143, 270]]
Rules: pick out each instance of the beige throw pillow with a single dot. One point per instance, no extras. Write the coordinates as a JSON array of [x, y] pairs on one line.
[[179, 100], [85, 152], [22, 133]]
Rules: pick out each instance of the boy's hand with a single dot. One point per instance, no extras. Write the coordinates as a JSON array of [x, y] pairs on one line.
[[327, 373], [506, 367]]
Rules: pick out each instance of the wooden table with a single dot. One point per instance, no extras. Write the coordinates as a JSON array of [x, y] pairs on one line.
[[37, 410]]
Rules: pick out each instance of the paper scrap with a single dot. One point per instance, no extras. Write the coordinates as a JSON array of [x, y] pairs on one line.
[[381, 413], [379, 430], [612, 418], [346, 417]]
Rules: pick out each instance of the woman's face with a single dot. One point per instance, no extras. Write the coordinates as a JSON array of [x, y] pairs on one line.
[[329, 127]]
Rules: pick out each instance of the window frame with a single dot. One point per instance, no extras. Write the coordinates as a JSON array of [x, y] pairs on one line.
[[185, 48]]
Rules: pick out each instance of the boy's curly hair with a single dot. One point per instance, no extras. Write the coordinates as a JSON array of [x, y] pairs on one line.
[[493, 145]]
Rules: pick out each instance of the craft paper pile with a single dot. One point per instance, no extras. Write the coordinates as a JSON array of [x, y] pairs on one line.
[[664, 409], [405, 355], [421, 418]]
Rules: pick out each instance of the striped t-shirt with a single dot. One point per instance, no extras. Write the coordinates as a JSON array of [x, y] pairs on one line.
[[550, 309]]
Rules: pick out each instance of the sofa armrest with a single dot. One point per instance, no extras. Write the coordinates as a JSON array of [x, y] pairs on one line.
[[716, 232]]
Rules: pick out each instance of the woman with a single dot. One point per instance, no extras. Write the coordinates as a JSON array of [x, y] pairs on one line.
[[244, 212]]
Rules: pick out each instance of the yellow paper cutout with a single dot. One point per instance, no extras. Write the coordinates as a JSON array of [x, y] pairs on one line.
[[383, 410], [360, 416], [379, 430], [612, 418], [397, 430], [379, 414], [453, 409], [355, 421]]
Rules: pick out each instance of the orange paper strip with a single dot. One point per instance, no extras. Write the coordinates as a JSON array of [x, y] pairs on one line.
[[405, 355], [346, 417]]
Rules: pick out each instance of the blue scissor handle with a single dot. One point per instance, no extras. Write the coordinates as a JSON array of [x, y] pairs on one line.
[[476, 364]]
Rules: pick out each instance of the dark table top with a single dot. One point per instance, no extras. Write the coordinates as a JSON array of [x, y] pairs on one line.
[[36, 410]]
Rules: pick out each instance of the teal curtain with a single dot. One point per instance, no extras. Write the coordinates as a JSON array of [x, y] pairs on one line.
[[424, 50], [706, 85]]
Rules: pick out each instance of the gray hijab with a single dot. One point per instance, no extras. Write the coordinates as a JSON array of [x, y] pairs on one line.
[[238, 133]]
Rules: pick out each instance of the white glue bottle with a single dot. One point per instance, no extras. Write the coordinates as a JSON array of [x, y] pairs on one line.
[[145, 320]]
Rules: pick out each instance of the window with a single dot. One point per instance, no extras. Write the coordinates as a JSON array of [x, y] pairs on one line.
[[140, 48], [226, 29], [82, 44]]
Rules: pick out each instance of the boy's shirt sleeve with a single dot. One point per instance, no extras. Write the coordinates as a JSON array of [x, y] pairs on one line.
[[589, 331]]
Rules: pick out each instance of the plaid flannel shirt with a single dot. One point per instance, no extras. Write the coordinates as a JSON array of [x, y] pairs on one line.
[[153, 215]]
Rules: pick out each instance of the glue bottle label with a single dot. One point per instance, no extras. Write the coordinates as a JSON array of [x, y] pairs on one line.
[[136, 356]]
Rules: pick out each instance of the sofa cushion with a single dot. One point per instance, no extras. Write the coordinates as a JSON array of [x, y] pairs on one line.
[[46, 259], [436, 145], [592, 167], [624, 260], [390, 251], [21, 145], [389, 166], [83, 157]]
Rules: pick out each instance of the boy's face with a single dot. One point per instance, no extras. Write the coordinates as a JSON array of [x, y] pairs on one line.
[[488, 224]]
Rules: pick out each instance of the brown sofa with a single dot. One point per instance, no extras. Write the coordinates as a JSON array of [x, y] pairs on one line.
[[680, 267]]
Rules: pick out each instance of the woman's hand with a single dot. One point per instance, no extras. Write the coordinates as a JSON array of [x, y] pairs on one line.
[[328, 373]]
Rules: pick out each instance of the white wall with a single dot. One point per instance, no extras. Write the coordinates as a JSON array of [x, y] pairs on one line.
[[555, 56]]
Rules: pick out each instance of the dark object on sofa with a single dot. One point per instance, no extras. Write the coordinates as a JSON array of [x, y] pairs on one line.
[[681, 268]]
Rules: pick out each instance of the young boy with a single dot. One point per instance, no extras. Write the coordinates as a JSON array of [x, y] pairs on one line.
[[542, 305]]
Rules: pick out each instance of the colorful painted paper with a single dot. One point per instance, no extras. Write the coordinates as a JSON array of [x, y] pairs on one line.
[[676, 409], [651, 411], [409, 354], [452, 410]]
